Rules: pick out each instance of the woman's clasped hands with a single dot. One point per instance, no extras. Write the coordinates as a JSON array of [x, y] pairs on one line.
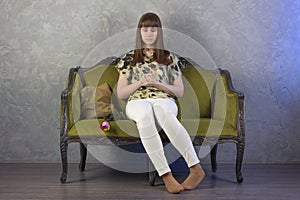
[[148, 79]]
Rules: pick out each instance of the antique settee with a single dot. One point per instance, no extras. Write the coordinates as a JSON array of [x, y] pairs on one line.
[[211, 110]]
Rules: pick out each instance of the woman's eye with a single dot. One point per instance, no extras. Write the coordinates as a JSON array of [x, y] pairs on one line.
[[144, 29], [153, 29]]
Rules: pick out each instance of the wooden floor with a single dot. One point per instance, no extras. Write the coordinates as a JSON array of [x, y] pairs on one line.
[[41, 181]]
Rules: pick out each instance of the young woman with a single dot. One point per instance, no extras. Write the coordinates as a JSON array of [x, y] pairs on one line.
[[150, 78]]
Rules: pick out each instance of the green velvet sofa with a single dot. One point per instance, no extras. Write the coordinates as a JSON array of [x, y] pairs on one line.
[[211, 110]]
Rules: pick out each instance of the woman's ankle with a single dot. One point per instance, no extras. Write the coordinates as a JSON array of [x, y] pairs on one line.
[[196, 168], [195, 177], [171, 183]]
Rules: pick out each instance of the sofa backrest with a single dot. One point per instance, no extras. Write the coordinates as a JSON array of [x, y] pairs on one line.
[[198, 83]]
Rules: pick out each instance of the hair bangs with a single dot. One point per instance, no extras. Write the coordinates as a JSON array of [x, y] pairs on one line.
[[150, 20], [150, 23]]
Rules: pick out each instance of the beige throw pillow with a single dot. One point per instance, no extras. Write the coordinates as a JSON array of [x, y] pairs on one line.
[[96, 102]]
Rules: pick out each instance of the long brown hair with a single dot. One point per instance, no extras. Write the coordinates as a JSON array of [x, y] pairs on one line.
[[161, 55]]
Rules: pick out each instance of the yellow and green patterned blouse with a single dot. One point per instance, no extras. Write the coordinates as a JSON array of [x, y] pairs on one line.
[[165, 74]]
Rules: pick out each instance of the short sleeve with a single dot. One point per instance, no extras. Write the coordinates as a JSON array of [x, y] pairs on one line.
[[174, 69], [124, 63]]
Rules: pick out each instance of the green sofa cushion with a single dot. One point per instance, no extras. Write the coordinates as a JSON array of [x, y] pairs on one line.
[[91, 127], [127, 128]]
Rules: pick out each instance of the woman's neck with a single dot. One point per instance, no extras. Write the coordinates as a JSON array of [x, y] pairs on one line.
[[148, 52]]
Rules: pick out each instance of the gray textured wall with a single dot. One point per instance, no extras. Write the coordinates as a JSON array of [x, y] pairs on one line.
[[258, 41]]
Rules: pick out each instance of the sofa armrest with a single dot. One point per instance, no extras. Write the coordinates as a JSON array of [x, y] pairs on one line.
[[230, 85], [66, 118], [241, 104], [233, 110]]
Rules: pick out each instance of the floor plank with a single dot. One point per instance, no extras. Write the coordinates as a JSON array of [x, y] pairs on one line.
[[41, 181]]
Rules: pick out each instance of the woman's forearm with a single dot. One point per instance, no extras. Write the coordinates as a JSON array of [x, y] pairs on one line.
[[174, 90], [124, 89]]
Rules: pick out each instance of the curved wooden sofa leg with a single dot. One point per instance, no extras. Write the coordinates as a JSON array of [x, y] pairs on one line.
[[83, 153], [239, 159], [213, 158], [64, 160]]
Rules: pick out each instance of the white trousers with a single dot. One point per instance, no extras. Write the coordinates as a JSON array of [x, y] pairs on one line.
[[146, 113]]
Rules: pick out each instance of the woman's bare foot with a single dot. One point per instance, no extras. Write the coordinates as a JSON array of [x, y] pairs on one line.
[[171, 184], [195, 177]]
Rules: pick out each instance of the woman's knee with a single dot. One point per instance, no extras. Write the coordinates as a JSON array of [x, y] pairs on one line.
[[165, 107], [140, 111]]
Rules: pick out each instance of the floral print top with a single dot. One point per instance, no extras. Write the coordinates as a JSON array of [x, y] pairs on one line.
[[165, 74]]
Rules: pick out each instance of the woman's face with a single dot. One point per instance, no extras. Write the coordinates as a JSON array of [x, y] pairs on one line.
[[149, 36]]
